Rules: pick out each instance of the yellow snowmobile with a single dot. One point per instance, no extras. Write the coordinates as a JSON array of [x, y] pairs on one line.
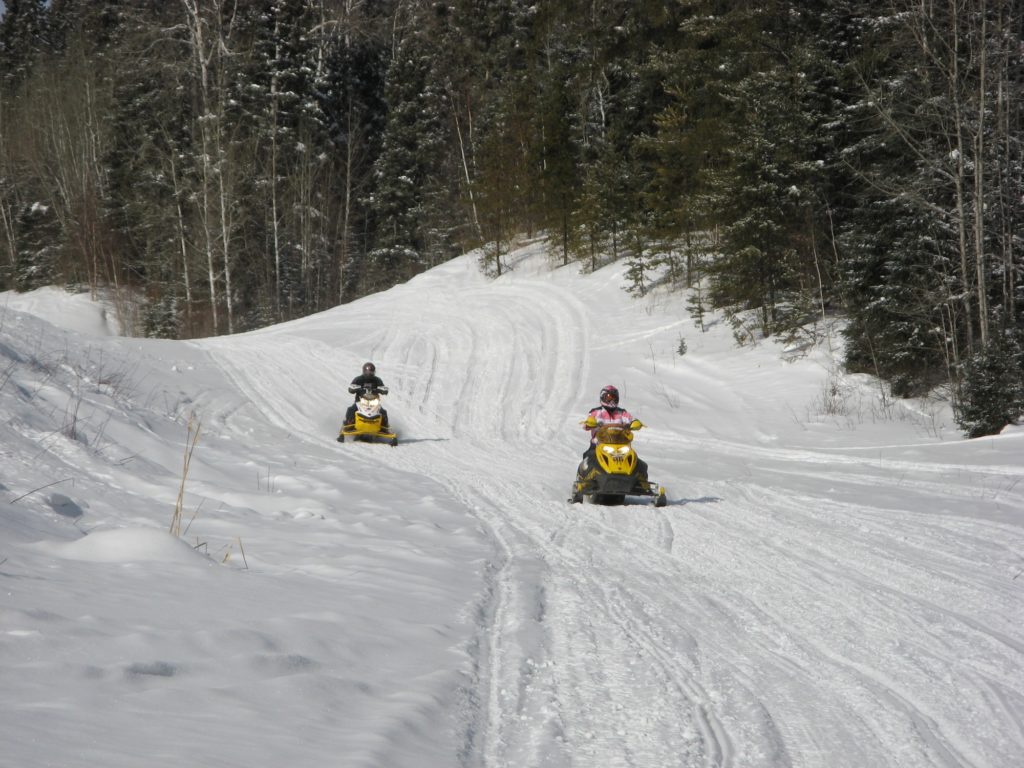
[[616, 471], [367, 425]]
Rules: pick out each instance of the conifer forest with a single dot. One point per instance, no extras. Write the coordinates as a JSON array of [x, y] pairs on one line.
[[216, 166]]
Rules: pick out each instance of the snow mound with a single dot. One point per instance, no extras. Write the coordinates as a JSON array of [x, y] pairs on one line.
[[69, 311], [126, 545]]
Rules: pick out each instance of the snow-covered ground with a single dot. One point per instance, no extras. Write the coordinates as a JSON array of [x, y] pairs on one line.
[[836, 582]]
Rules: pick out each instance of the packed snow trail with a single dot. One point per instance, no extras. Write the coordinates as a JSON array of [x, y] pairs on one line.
[[759, 620], [829, 586]]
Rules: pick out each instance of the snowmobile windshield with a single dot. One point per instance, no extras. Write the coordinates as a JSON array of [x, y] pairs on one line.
[[613, 434]]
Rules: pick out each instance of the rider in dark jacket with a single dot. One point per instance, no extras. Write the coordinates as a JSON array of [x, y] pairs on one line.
[[367, 380]]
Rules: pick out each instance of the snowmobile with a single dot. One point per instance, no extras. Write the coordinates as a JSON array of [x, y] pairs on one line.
[[616, 471], [367, 426]]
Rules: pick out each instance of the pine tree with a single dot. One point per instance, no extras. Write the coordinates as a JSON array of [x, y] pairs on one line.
[[36, 261], [554, 59], [992, 389], [500, 182], [606, 196], [621, 90], [761, 179], [30, 229], [278, 125], [929, 270], [351, 98], [25, 39], [148, 183], [408, 178], [503, 182]]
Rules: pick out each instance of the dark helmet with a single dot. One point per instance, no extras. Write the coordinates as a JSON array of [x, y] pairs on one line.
[[610, 395], [369, 369]]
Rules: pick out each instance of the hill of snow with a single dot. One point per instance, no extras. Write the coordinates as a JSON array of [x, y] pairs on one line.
[[836, 581]]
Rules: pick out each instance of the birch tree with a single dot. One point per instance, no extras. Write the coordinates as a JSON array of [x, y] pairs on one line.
[[209, 26]]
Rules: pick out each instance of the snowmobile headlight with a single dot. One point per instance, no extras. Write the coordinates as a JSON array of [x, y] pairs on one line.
[[373, 402], [616, 450]]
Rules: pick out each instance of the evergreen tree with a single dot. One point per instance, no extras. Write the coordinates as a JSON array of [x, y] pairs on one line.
[[351, 97], [992, 391], [277, 124], [149, 181], [607, 194], [36, 260], [25, 38], [27, 216], [900, 313], [554, 59], [407, 181], [925, 285], [500, 182], [742, 150], [161, 318], [505, 181], [559, 175]]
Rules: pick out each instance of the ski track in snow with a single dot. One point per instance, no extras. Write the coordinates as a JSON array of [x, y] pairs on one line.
[[750, 627]]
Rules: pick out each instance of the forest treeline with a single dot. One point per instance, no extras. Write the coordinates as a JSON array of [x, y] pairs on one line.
[[219, 165]]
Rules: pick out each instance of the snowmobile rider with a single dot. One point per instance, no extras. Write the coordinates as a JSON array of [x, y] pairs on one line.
[[608, 412], [367, 381]]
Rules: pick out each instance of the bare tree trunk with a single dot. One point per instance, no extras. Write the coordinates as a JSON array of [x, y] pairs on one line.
[[225, 233], [7, 221], [979, 184], [274, 219], [1011, 183], [196, 26], [346, 215], [465, 166], [6, 205], [182, 239], [224, 165], [212, 51], [346, 238], [66, 157], [305, 176], [953, 74]]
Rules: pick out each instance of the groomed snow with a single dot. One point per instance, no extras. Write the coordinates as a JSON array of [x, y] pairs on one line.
[[837, 581]]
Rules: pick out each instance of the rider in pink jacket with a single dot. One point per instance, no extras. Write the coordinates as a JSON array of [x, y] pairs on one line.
[[608, 412]]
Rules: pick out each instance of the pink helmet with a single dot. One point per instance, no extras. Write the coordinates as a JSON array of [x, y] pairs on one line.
[[610, 395]]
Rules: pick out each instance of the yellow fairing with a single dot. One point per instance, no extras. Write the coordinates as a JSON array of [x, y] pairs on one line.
[[367, 425], [614, 450], [369, 428]]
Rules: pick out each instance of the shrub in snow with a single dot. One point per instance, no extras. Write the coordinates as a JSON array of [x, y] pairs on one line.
[[992, 388]]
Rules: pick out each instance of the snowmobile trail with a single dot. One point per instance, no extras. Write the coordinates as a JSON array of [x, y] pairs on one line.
[[576, 668], [541, 691], [819, 591], [755, 622]]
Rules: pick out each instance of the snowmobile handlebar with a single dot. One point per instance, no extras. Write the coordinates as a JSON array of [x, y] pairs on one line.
[[368, 393], [591, 423]]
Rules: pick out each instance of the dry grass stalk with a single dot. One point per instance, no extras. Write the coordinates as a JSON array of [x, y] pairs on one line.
[[190, 445]]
